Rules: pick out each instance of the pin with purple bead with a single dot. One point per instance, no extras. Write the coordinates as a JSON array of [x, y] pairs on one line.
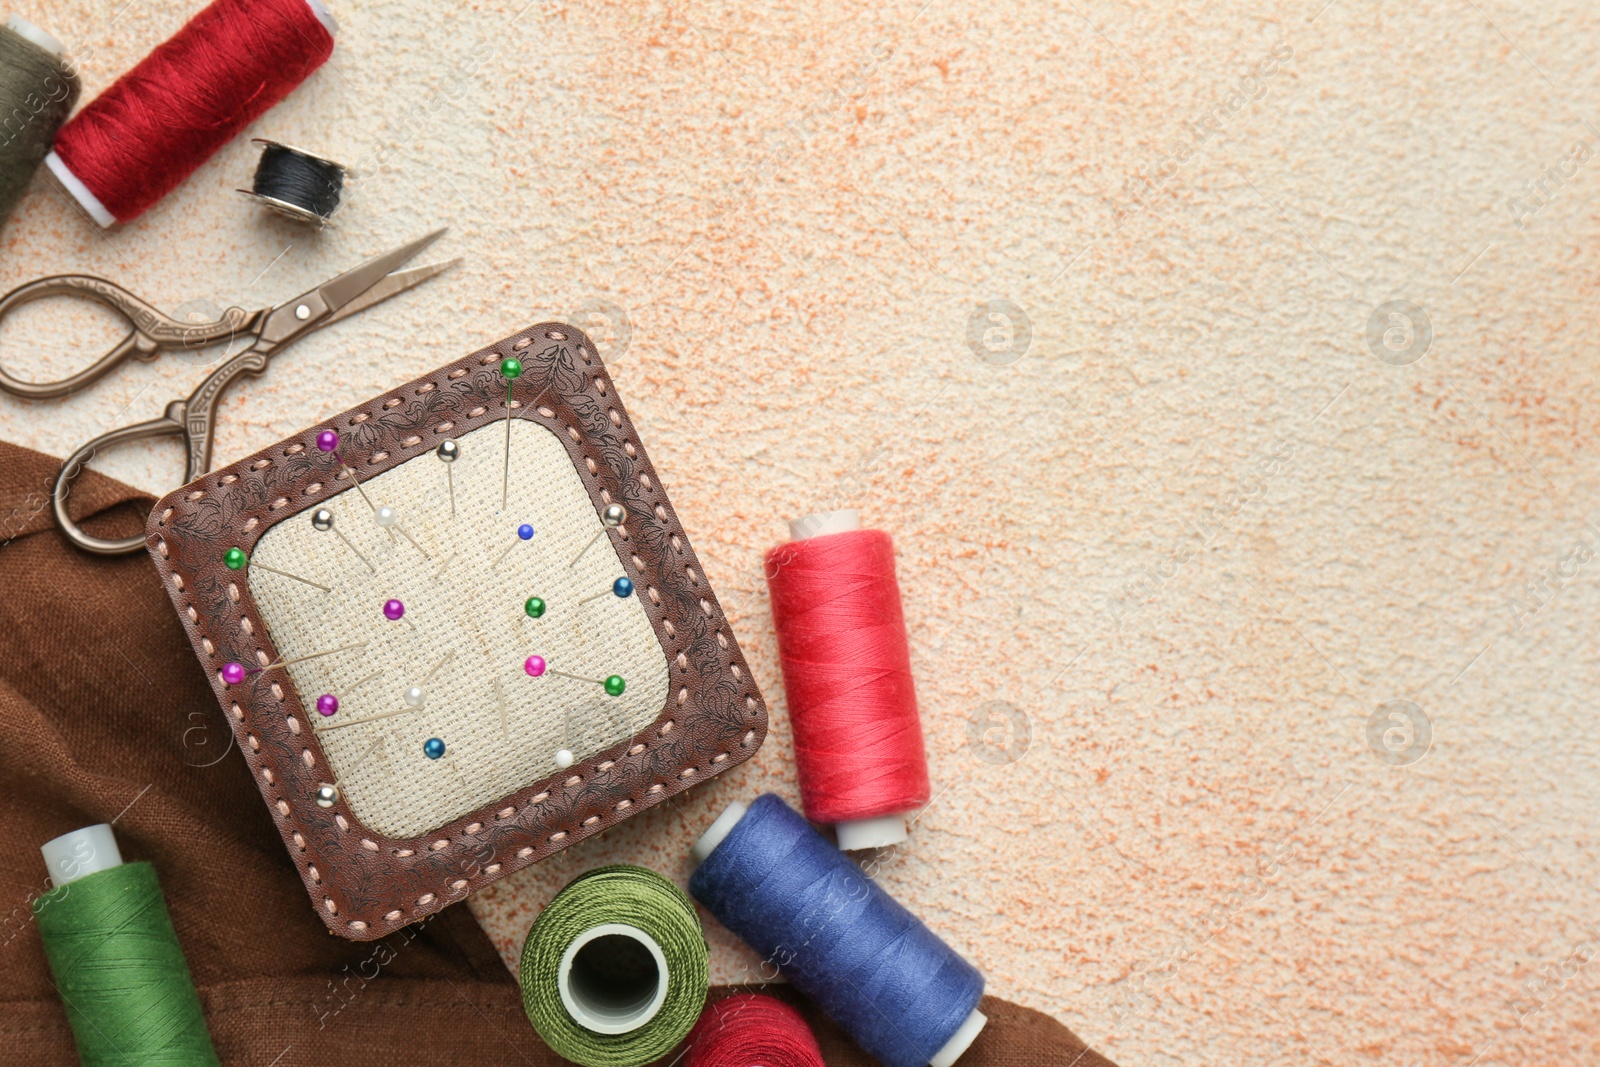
[[328, 441], [395, 610]]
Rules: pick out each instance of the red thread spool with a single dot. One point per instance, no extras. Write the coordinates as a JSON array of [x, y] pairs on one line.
[[749, 1029], [161, 120], [847, 671]]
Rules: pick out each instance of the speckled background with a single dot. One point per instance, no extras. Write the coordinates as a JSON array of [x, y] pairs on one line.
[[1179, 537]]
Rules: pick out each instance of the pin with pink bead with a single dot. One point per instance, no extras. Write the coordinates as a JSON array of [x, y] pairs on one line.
[[233, 673]]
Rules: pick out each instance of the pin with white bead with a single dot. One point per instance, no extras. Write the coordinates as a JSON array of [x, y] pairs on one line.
[[389, 519]]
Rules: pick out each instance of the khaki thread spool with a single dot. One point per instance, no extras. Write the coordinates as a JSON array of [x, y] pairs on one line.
[[38, 89]]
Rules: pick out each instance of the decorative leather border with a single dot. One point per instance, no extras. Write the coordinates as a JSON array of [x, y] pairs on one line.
[[365, 885]]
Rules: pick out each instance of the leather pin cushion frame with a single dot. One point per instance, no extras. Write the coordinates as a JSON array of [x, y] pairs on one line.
[[365, 885]]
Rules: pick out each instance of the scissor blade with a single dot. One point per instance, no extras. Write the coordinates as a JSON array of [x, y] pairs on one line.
[[355, 281], [389, 285]]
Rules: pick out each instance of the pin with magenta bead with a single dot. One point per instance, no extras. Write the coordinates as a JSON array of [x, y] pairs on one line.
[[525, 532], [448, 452], [235, 559], [328, 441], [622, 588], [510, 370], [322, 522], [234, 673], [536, 666], [612, 516], [395, 611]]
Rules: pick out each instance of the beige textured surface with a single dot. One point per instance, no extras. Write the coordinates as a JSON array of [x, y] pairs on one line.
[[464, 636], [1196, 536]]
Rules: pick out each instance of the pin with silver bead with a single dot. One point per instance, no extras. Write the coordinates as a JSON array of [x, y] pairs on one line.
[[612, 516], [328, 792], [322, 522], [448, 452]]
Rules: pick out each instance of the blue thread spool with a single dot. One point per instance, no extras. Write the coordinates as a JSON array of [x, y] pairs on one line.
[[899, 991]]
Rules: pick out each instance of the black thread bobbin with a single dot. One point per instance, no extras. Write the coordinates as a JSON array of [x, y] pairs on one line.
[[293, 182]]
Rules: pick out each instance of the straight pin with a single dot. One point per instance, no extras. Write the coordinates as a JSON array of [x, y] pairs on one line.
[[235, 559], [524, 533], [448, 452], [622, 588], [613, 516], [314, 655], [445, 566], [328, 441], [510, 370], [614, 685], [370, 718], [389, 519], [322, 520]]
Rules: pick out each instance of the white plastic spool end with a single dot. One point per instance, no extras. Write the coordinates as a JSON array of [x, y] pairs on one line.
[[823, 523], [81, 853], [79, 191], [962, 1040], [719, 829], [607, 984], [34, 35], [879, 832], [324, 16]]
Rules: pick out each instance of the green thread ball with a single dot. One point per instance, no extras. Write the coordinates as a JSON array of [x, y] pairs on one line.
[[635, 897], [510, 369], [534, 607], [235, 558], [615, 685]]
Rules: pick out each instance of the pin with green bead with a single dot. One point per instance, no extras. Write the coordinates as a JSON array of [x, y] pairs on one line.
[[510, 370], [614, 685], [235, 559]]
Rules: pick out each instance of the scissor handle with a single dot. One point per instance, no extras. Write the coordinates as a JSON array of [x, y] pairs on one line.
[[193, 419], [171, 424], [152, 331]]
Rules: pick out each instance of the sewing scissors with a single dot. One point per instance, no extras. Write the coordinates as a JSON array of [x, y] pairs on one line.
[[193, 419]]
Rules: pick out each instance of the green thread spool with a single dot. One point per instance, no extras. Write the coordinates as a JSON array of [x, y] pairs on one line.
[[37, 91], [614, 970], [116, 958]]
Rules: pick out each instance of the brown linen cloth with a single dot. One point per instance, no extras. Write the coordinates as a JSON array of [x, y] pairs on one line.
[[105, 716]]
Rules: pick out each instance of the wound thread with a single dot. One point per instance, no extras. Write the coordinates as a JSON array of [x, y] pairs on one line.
[[116, 959], [38, 89], [296, 183], [847, 672], [161, 120], [609, 978], [904, 995], [751, 1028]]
